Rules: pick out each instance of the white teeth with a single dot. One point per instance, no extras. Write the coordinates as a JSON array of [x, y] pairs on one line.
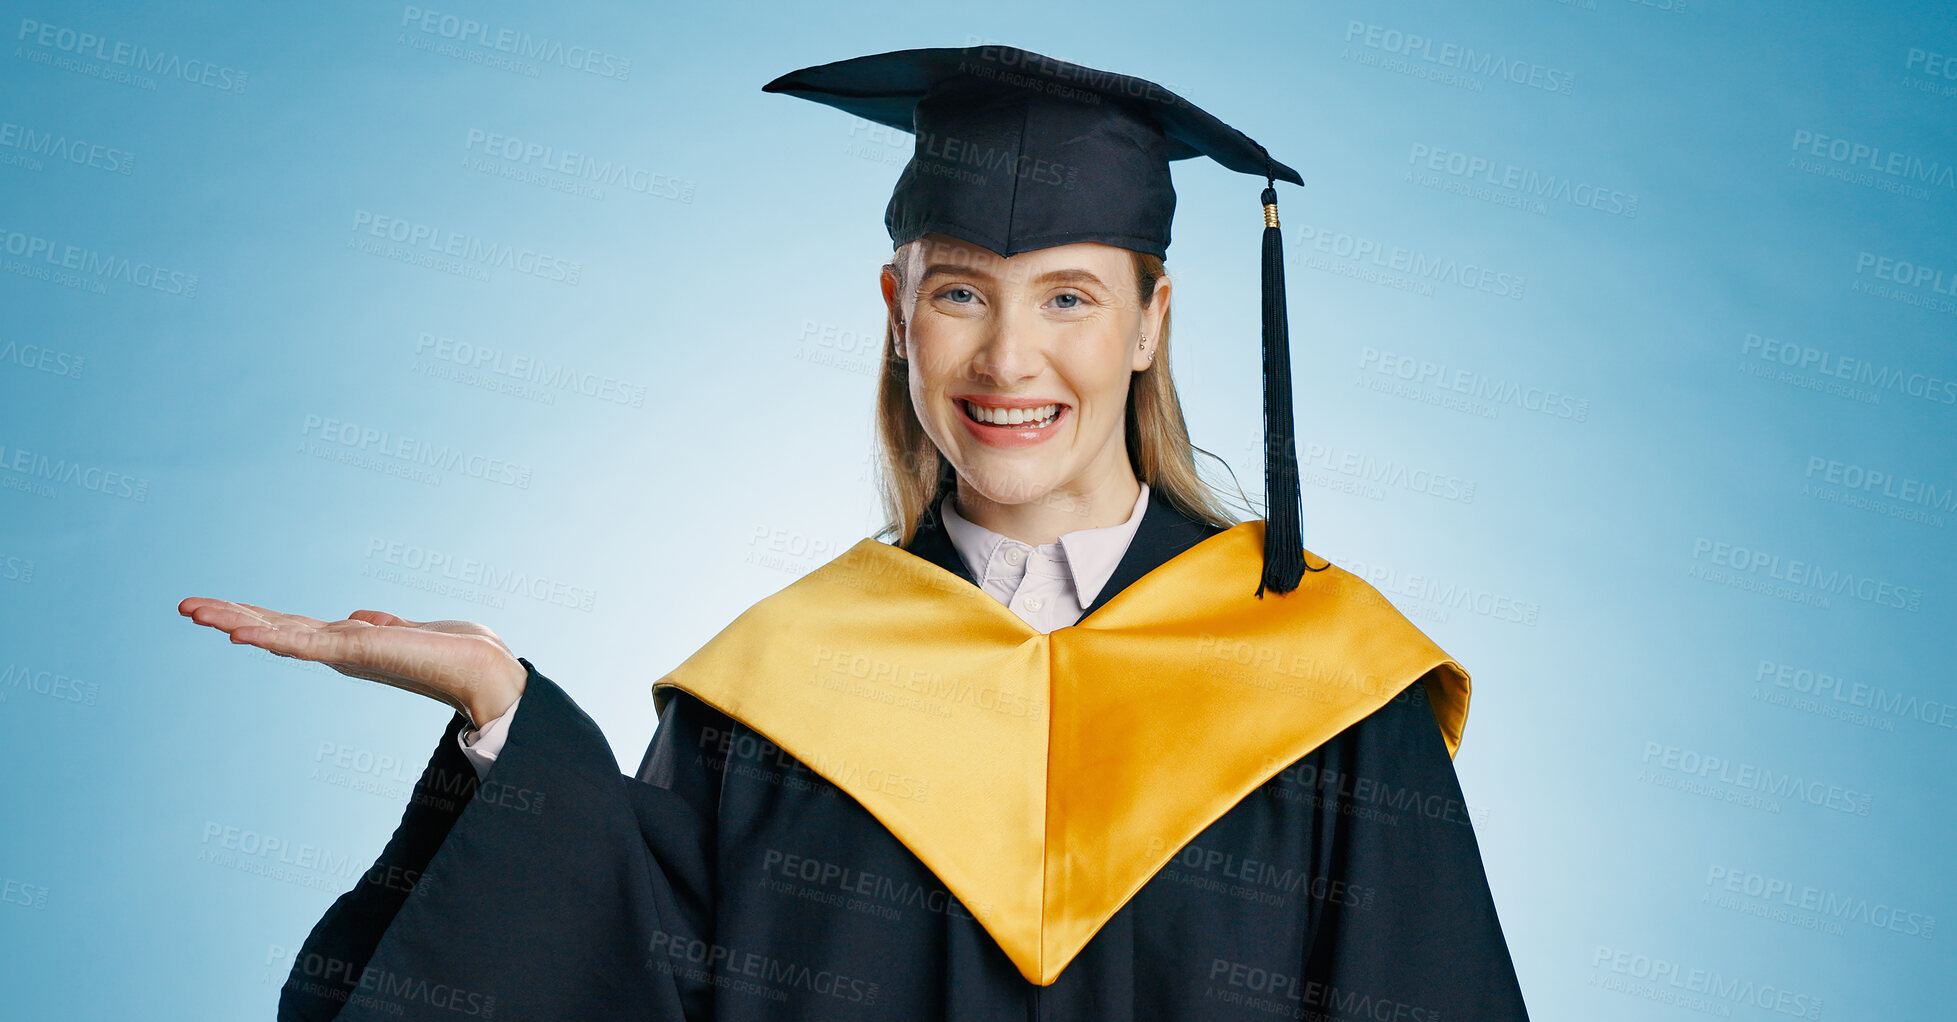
[[1012, 416]]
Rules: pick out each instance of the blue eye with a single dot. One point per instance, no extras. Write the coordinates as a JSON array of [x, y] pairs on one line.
[[1071, 295], [948, 292]]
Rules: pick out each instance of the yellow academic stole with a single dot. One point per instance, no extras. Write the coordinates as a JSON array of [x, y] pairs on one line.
[[1044, 778]]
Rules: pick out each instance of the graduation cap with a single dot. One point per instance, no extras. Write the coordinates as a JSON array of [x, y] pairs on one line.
[[1016, 151]]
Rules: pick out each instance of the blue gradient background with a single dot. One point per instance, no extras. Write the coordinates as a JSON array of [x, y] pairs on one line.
[[742, 304]]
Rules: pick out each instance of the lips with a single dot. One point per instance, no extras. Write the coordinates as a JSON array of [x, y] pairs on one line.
[[1011, 423], [1031, 417]]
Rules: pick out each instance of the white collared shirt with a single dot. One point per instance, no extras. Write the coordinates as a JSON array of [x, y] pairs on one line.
[[1049, 586]]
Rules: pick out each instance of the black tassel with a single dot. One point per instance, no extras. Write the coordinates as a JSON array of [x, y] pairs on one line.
[[1284, 551]]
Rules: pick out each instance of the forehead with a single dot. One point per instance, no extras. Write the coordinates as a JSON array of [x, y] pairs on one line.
[[1111, 264]]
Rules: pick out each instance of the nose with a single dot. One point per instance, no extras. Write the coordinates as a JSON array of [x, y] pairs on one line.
[[1012, 352]]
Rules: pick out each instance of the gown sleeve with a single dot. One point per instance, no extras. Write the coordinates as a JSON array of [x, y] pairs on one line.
[[601, 884], [487, 744], [1414, 936]]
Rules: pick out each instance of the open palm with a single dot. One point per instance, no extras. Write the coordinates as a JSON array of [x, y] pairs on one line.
[[460, 663]]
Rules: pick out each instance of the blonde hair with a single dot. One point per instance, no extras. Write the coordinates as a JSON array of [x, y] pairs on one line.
[[912, 473]]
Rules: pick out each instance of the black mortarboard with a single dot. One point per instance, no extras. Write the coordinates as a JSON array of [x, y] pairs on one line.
[[1016, 152]]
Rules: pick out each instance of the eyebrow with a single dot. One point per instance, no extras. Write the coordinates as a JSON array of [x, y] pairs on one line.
[[1069, 276]]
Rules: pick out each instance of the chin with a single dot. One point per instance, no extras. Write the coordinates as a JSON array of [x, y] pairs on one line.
[[1002, 481]]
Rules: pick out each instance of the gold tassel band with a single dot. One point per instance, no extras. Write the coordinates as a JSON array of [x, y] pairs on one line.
[[1270, 214]]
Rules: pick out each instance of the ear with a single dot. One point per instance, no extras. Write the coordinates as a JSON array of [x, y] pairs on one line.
[[1158, 310], [1153, 317], [893, 310]]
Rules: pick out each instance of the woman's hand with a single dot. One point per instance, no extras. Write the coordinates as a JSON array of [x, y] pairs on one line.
[[460, 663]]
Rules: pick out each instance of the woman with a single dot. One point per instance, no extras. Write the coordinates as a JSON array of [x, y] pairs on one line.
[[1045, 756]]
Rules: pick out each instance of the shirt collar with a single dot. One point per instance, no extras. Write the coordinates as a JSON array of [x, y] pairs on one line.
[[1091, 554]]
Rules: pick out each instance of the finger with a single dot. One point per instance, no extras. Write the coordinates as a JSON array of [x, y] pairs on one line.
[[190, 605], [226, 615], [456, 625], [281, 616], [348, 626], [299, 643], [381, 617]]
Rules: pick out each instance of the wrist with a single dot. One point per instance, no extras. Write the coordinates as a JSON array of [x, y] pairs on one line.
[[498, 692]]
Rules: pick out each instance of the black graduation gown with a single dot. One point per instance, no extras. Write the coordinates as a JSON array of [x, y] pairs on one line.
[[726, 880]]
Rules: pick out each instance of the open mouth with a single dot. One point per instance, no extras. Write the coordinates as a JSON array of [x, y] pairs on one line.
[[1012, 418]]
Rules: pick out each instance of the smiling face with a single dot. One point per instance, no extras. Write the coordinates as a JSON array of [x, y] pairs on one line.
[[1019, 368]]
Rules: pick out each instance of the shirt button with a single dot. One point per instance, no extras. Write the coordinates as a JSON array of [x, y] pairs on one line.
[[1033, 603], [1014, 555]]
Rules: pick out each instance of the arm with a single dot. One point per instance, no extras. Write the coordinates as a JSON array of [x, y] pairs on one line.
[[591, 872], [1394, 821]]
